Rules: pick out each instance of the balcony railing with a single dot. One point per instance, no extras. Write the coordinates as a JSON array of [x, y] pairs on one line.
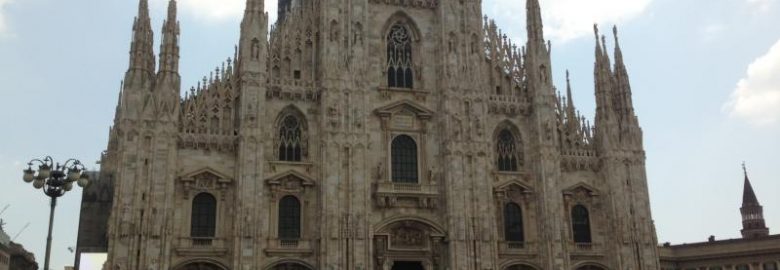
[[409, 188], [201, 246], [202, 241], [515, 245], [287, 243], [584, 246], [284, 246], [513, 248]]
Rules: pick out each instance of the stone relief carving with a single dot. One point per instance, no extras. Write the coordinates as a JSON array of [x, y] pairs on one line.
[[407, 237]]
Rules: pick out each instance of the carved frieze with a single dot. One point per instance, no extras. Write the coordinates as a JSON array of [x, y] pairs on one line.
[[284, 92], [407, 237], [508, 105]]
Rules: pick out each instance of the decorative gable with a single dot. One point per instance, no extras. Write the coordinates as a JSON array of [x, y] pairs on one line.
[[290, 182], [404, 107], [205, 179], [581, 190]]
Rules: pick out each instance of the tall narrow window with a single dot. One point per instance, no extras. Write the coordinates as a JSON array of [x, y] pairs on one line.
[[404, 159], [290, 142], [289, 218], [513, 223], [507, 151], [204, 216], [770, 266], [399, 57], [580, 220]]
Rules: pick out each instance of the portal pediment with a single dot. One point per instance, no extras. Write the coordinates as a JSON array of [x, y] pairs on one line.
[[582, 189], [407, 107], [290, 178]]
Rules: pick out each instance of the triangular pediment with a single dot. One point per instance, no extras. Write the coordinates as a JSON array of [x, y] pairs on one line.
[[404, 106], [581, 188], [513, 185], [206, 172], [280, 178]]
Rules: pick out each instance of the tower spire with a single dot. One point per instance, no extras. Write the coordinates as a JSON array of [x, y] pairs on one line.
[[141, 52], [534, 25], [252, 43], [753, 224], [623, 85], [169, 49]]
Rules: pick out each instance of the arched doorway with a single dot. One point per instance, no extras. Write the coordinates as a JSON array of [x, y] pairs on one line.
[[590, 267], [407, 265], [289, 266], [200, 265], [409, 244], [520, 267]]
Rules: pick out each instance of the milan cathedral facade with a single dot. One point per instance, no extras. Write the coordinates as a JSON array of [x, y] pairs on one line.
[[374, 135]]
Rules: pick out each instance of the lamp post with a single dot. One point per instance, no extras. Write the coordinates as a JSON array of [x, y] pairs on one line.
[[55, 179]]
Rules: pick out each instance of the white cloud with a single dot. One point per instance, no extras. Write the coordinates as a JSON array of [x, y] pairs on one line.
[[217, 10], [569, 19], [757, 96], [712, 31], [761, 5], [3, 25]]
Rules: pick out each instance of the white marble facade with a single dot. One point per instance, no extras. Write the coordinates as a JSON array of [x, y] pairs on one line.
[[374, 134]]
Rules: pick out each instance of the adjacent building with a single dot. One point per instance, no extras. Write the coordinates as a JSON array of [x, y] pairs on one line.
[[96, 201], [5, 242], [756, 250]]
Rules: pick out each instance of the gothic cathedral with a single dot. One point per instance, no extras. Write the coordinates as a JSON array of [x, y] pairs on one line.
[[374, 135]]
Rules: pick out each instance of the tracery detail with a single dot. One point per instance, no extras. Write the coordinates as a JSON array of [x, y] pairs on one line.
[[399, 57], [507, 150], [290, 142]]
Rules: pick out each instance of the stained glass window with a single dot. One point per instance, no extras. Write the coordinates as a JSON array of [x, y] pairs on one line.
[[507, 149], [290, 139], [399, 57]]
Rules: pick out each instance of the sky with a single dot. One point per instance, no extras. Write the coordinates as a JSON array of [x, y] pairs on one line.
[[705, 77]]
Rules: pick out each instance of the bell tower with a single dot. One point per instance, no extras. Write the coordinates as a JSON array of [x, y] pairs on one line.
[[753, 225]]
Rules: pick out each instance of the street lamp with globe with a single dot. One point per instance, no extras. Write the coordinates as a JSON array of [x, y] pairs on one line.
[[54, 179]]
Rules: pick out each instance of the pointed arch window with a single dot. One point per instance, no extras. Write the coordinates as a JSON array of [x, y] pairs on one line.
[[204, 216], [507, 150], [399, 57], [513, 223], [291, 145], [404, 159], [580, 219], [289, 218]]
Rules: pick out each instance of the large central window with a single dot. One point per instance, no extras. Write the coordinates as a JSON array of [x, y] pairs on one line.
[[399, 57], [404, 159]]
